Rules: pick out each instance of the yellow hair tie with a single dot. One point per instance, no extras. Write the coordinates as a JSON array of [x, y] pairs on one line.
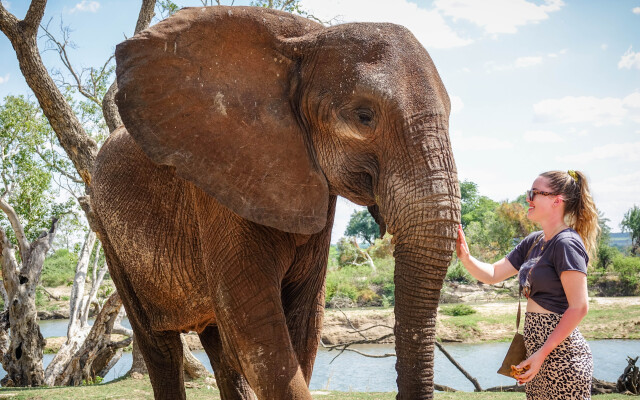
[[573, 174]]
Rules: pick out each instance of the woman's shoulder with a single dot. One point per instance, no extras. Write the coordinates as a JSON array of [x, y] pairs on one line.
[[568, 236]]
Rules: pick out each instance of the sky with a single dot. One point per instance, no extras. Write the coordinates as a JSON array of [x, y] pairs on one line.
[[534, 85]]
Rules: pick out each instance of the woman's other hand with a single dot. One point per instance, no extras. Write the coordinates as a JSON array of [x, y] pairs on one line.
[[534, 363], [462, 249]]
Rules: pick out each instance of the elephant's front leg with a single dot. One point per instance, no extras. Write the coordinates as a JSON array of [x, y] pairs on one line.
[[253, 328], [303, 294]]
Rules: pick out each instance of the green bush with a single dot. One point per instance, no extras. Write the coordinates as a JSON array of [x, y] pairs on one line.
[[628, 269], [622, 278], [458, 310], [41, 298], [458, 273], [59, 268]]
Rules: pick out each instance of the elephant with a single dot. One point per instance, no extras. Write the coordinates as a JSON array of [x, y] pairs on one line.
[[215, 200]]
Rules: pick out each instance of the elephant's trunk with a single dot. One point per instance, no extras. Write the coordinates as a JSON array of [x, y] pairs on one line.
[[421, 265], [423, 220]]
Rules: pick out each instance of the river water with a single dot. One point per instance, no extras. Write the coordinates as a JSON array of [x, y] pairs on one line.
[[353, 372]]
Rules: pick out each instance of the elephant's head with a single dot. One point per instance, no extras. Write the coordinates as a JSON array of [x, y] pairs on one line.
[[271, 113]]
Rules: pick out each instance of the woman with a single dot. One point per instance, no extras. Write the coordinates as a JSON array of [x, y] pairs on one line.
[[554, 280]]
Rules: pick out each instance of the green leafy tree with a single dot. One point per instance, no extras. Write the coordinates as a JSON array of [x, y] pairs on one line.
[[27, 178], [631, 223], [469, 201], [605, 253], [362, 225]]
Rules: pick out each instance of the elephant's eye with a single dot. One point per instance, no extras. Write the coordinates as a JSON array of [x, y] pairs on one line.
[[365, 116]]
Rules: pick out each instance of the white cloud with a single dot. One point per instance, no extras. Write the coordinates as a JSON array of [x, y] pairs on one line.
[[428, 26], [604, 46], [629, 60], [4, 79], [520, 62], [498, 16], [636, 10], [542, 137], [616, 193], [588, 109], [456, 104], [582, 132], [627, 152], [84, 5], [6, 4], [478, 143], [523, 62], [556, 55]]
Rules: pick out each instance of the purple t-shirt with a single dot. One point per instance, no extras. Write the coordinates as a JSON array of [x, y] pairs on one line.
[[564, 252]]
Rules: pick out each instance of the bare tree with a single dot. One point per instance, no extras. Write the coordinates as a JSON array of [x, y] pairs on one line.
[[81, 149], [22, 355]]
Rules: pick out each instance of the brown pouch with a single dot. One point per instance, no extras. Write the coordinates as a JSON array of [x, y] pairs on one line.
[[515, 355]]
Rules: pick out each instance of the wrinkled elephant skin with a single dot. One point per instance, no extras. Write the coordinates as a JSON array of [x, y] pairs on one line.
[[216, 198]]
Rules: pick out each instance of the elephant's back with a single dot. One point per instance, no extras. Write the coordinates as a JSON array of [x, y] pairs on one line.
[[149, 217]]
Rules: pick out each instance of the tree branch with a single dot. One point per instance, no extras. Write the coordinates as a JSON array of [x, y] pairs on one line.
[[145, 16], [80, 148], [34, 16], [473, 380], [57, 168], [109, 107], [18, 229]]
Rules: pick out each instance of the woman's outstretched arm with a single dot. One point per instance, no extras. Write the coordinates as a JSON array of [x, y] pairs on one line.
[[486, 273]]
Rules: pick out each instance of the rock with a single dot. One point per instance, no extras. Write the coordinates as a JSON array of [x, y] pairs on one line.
[[209, 381], [137, 375], [45, 315]]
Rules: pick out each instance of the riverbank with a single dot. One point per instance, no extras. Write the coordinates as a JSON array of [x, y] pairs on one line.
[[608, 318]]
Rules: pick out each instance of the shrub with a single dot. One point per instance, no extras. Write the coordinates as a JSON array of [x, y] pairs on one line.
[[458, 310], [458, 273], [628, 269], [59, 268]]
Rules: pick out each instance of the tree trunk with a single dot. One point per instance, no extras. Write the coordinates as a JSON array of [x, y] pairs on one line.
[[77, 293], [193, 368], [97, 350], [22, 358], [138, 366]]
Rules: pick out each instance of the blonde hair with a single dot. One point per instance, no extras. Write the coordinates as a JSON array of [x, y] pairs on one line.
[[580, 211]]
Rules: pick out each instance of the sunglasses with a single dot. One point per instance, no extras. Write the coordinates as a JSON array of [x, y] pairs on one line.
[[531, 194]]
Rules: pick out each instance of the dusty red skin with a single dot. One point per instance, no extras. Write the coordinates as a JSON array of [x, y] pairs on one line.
[[217, 199]]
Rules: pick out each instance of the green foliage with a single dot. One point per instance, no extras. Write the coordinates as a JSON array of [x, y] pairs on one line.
[[628, 269], [457, 310], [622, 278], [26, 176], [95, 381], [605, 255], [631, 223], [59, 268], [458, 273], [363, 226], [41, 297], [352, 281], [469, 201]]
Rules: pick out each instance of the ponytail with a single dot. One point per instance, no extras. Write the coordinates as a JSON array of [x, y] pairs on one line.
[[580, 211]]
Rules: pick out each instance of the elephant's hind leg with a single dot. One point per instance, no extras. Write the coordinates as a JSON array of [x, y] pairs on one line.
[[231, 384], [162, 352]]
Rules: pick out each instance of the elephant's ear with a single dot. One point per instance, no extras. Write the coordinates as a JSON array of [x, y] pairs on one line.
[[208, 92]]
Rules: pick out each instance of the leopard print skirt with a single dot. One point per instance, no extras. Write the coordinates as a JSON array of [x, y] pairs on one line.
[[567, 371]]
